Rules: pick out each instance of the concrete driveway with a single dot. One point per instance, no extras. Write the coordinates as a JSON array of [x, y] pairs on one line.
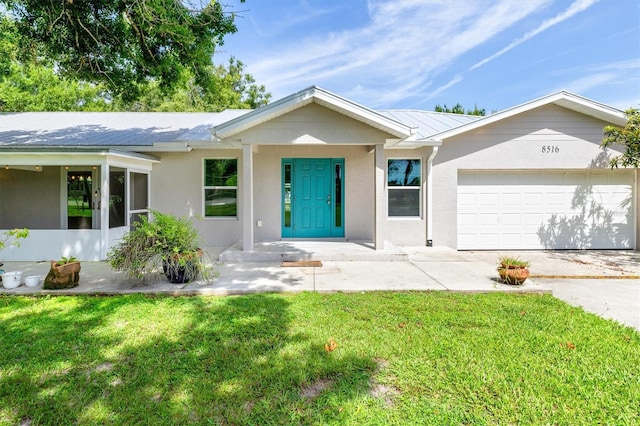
[[604, 293], [614, 299]]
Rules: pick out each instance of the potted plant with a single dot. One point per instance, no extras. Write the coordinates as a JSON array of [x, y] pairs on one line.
[[513, 270], [64, 273], [166, 241]]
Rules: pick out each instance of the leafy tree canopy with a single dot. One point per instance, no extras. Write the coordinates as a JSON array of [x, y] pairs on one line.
[[459, 109], [629, 137], [32, 82], [229, 87], [30, 85], [123, 43]]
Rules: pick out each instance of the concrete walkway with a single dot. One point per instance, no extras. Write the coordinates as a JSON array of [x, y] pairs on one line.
[[419, 268]]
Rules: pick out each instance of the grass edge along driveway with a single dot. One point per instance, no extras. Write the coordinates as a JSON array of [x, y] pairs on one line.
[[374, 358]]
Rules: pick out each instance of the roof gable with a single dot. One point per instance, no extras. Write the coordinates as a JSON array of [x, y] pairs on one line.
[[305, 97], [564, 99]]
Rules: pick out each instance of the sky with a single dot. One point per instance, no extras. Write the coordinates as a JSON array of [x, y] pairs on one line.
[[414, 54]]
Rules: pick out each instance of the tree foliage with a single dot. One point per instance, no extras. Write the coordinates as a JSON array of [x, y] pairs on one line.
[[628, 137], [30, 81], [124, 42], [27, 84], [229, 87], [459, 109]]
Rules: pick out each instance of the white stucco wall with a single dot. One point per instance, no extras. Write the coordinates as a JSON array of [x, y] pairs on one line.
[[517, 144], [312, 131], [313, 124], [358, 179], [409, 231], [177, 188]]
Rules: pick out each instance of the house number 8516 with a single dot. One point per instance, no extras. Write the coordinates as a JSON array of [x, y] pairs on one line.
[[550, 149]]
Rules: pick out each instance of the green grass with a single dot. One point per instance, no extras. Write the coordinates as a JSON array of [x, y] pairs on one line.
[[402, 358], [74, 211], [222, 210]]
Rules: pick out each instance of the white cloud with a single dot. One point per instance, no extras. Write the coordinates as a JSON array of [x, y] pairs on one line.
[[403, 46], [612, 81], [576, 7]]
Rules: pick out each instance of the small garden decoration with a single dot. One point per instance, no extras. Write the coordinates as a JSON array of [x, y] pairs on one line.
[[513, 270], [166, 242], [64, 273]]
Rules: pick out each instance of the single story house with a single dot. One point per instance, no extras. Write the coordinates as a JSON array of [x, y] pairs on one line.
[[315, 165]]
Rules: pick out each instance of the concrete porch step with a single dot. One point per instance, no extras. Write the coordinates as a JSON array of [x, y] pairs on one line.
[[278, 251]]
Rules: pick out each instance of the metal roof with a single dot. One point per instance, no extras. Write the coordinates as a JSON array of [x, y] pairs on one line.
[[428, 122], [146, 129], [120, 129]]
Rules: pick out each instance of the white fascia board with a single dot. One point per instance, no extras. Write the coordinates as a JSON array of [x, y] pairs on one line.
[[181, 146], [261, 115], [363, 114], [48, 157], [305, 97], [225, 144], [415, 144], [563, 99]]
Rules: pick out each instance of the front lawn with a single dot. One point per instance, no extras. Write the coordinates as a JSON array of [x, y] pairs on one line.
[[398, 358]]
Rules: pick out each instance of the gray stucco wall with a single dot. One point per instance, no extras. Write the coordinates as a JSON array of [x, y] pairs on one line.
[[410, 231], [358, 187], [515, 144], [177, 188]]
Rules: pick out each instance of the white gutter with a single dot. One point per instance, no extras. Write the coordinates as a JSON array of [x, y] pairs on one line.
[[430, 197]]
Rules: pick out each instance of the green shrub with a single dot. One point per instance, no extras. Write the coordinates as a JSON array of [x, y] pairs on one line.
[[167, 240]]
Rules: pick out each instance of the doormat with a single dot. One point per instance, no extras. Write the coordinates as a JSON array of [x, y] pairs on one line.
[[301, 263]]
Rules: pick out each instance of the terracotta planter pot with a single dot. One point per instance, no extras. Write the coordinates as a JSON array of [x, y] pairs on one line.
[[62, 276], [513, 275]]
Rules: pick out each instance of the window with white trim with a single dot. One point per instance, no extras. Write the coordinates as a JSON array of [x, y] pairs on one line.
[[221, 187], [403, 187]]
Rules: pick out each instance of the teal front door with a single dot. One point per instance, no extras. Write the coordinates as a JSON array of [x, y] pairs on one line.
[[312, 197]]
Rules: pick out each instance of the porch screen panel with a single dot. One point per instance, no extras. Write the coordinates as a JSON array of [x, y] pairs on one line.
[[117, 199], [138, 197]]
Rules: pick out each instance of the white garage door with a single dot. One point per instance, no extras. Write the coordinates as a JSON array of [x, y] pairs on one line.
[[545, 210]]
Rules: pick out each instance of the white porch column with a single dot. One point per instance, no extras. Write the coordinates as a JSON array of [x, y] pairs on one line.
[[247, 197], [380, 201], [103, 200]]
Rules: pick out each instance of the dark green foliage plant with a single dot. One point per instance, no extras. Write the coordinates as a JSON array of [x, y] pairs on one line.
[[628, 137], [166, 241], [459, 109]]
